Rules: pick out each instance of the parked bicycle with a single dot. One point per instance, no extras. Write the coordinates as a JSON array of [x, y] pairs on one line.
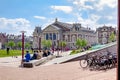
[[99, 62]]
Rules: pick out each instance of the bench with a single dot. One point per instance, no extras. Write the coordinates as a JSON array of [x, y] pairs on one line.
[[37, 62]]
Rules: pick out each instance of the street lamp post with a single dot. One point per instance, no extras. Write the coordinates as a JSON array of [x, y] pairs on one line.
[[57, 48], [61, 46], [52, 46], [39, 43], [22, 47]]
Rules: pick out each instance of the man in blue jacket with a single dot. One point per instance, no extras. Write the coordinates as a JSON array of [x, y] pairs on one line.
[[27, 56]]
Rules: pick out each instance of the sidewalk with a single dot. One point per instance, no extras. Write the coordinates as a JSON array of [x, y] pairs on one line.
[[15, 62], [66, 71], [10, 61]]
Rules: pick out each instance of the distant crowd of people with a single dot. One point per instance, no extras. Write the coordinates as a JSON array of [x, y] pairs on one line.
[[37, 54]]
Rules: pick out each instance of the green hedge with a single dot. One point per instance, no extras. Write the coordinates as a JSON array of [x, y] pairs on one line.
[[75, 51]]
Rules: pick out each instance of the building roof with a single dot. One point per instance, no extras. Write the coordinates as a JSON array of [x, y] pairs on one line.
[[63, 26], [105, 27], [56, 27], [67, 27]]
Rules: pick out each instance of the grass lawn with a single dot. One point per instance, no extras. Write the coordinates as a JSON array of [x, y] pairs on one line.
[[3, 53]]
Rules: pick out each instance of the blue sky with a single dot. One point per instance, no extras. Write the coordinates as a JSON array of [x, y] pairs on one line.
[[18, 15]]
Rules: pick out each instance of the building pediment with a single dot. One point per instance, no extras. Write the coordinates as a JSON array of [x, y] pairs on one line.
[[51, 28]]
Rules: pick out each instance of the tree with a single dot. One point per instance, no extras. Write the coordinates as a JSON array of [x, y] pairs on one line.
[[11, 44], [6, 44], [112, 37], [47, 43], [83, 43], [62, 44], [78, 43], [19, 44], [27, 45]]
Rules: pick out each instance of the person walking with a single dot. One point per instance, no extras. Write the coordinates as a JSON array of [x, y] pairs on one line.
[[7, 50]]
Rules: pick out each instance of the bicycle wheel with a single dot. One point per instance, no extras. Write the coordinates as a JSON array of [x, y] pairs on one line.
[[83, 63]]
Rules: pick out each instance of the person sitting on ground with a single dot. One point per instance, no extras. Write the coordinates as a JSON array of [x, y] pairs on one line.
[[45, 54], [39, 55], [27, 56], [32, 49], [49, 52], [34, 55]]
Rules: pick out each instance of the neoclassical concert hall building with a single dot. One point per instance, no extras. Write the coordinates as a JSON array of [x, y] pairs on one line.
[[60, 31]]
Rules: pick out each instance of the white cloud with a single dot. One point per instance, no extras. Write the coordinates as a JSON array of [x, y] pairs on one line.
[[66, 9], [40, 17], [110, 17], [95, 4], [48, 22], [96, 12], [94, 17], [92, 21], [81, 4], [110, 3], [14, 26]]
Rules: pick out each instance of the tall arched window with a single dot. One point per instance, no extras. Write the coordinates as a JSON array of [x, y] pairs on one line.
[[50, 36], [73, 38], [54, 36], [46, 36], [66, 38]]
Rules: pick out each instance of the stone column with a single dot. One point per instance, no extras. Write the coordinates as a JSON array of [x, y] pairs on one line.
[[58, 36], [48, 35], [88, 40], [86, 37], [65, 37], [70, 37], [44, 36], [52, 36]]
